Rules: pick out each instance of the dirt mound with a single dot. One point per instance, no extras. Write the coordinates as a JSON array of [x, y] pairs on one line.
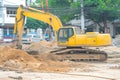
[[7, 53], [14, 59], [41, 47]]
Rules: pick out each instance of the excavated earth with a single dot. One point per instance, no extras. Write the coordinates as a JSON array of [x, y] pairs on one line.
[[34, 58]]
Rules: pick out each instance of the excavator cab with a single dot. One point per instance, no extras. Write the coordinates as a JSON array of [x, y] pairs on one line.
[[66, 36]]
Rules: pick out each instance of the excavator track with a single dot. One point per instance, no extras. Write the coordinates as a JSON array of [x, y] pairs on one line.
[[78, 54]]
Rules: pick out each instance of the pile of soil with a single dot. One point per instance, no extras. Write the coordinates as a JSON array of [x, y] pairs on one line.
[[47, 64], [41, 47], [7, 53], [14, 59]]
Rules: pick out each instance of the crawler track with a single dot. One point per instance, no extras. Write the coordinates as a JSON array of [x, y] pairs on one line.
[[78, 54]]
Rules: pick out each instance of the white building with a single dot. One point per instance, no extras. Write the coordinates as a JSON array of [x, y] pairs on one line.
[[7, 16]]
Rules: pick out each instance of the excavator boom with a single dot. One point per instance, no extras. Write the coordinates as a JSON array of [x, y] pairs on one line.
[[46, 17]]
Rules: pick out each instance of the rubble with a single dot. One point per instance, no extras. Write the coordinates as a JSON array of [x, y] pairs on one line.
[[40, 47]]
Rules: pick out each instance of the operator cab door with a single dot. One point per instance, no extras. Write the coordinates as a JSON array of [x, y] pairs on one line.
[[65, 37]]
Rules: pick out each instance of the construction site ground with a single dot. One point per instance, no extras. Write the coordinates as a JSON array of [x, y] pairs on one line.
[[33, 63]]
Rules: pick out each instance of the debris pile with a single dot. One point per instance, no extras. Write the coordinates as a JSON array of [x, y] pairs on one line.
[[14, 59], [40, 47]]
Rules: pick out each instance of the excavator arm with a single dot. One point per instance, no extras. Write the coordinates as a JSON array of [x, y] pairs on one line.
[[23, 12]]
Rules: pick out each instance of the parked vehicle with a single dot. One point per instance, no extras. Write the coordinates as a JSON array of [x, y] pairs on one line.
[[30, 38], [26, 39]]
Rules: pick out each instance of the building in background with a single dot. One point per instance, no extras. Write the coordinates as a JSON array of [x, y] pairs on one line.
[[90, 26], [1, 19], [7, 17]]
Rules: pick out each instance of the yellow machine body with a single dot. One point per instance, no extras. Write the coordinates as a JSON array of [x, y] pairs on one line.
[[90, 39]]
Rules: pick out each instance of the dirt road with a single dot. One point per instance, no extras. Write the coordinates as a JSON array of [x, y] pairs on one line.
[[92, 71]]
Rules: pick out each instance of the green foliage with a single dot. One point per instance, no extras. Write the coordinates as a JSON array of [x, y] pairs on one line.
[[61, 8], [96, 10], [75, 4], [34, 24], [59, 3], [102, 10]]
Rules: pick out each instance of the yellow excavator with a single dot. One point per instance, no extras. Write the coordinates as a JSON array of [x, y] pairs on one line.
[[72, 42]]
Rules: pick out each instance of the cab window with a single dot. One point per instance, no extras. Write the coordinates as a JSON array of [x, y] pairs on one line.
[[64, 34]]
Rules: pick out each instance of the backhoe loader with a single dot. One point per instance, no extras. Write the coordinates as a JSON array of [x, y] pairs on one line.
[[72, 42]]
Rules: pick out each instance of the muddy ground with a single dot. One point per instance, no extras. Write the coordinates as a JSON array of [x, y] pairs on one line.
[[20, 65]]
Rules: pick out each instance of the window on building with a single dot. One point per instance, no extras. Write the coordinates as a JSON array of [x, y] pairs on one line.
[[5, 32], [11, 32], [11, 12], [8, 32]]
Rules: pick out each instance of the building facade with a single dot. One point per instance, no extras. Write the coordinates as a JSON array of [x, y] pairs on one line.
[[113, 28], [7, 16]]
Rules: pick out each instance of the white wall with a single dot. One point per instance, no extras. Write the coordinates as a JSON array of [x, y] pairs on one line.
[[14, 2], [11, 3]]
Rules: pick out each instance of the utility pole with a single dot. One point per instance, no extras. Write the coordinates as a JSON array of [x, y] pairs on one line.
[[82, 17], [42, 5], [47, 6], [49, 27]]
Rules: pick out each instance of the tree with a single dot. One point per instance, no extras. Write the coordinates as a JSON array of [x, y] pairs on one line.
[[34, 24], [101, 11], [61, 8], [96, 10]]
